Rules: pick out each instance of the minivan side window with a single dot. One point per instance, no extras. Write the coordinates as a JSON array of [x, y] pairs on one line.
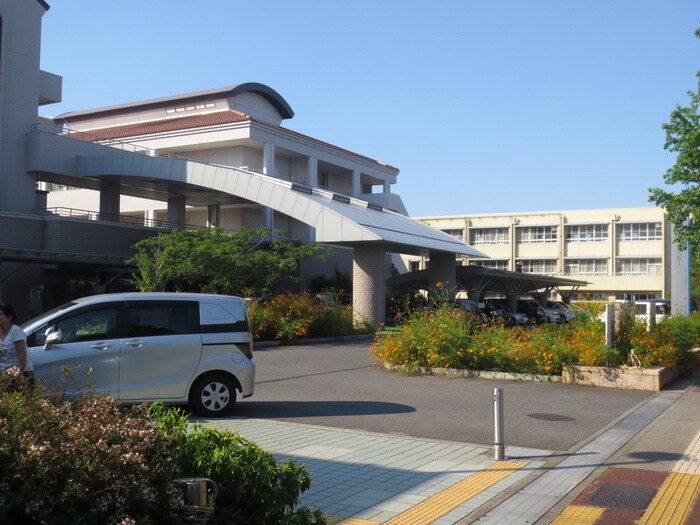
[[84, 325], [152, 318]]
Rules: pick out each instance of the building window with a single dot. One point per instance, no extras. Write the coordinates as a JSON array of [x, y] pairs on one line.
[[491, 264], [413, 266], [586, 267], [639, 266], [541, 266], [536, 234], [488, 236], [650, 231], [587, 233], [457, 234]]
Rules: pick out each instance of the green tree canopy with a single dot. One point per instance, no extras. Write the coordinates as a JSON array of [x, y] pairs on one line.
[[683, 138], [211, 260]]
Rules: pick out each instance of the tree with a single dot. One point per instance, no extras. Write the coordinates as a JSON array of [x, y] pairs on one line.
[[211, 260], [683, 138]]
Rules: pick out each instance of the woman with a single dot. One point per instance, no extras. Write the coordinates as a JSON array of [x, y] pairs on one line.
[[13, 344]]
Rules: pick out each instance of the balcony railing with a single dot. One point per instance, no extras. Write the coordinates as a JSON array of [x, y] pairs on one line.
[[89, 215]]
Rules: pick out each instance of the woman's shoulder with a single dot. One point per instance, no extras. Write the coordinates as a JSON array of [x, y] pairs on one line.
[[16, 332]]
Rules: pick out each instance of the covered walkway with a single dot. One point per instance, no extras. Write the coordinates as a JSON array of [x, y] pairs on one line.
[[372, 232]]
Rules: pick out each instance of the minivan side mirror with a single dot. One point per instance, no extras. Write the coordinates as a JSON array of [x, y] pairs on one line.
[[52, 339]]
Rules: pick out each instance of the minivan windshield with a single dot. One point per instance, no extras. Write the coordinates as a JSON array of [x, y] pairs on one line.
[[49, 313]]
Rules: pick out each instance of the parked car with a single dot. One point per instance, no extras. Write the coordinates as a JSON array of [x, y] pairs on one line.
[[566, 313], [499, 309], [471, 308], [537, 313], [194, 349]]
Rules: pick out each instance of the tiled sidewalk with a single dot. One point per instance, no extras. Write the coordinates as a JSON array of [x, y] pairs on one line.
[[360, 477]]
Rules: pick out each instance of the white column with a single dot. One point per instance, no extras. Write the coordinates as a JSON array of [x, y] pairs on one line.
[[369, 273], [269, 169], [356, 189], [387, 186], [149, 217], [213, 215], [312, 173], [269, 159]]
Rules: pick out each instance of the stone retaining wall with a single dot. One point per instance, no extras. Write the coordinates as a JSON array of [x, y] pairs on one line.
[[652, 379]]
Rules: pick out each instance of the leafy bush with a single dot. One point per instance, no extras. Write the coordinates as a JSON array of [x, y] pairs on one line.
[[445, 337], [88, 461], [253, 488], [288, 316], [81, 462], [668, 343]]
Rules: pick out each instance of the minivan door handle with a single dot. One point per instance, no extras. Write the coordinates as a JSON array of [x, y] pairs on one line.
[[136, 344], [101, 346]]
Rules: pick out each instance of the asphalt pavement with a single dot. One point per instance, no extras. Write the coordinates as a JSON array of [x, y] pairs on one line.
[[337, 385]]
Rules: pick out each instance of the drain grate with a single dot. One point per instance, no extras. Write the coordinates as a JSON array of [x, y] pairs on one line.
[[551, 417], [619, 495]]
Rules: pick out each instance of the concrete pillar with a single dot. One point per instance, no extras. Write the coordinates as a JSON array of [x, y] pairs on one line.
[[149, 217], [356, 189], [269, 169], [176, 211], [387, 186], [109, 202], [213, 215], [269, 159], [442, 268], [369, 274], [312, 172]]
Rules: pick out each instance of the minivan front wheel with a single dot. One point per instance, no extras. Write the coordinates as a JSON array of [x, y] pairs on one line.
[[213, 396]]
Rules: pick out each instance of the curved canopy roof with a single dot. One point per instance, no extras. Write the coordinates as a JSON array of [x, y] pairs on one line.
[[337, 219], [269, 94]]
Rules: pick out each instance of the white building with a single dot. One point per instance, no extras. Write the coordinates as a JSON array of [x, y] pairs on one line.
[[213, 157], [620, 252]]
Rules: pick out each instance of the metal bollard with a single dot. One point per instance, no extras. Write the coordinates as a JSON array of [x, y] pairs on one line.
[[498, 446]]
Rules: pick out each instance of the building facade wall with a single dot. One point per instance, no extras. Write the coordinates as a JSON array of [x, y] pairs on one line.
[[620, 251]]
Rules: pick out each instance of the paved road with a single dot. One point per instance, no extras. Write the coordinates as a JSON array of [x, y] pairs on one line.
[[336, 385]]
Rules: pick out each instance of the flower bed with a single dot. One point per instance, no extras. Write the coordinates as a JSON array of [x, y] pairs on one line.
[[447, 338]]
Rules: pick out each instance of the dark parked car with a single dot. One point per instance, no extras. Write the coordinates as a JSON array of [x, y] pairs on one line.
[[499, 310], [537, 313]]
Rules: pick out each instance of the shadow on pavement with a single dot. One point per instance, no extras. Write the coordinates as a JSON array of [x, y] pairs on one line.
[[287, 409]]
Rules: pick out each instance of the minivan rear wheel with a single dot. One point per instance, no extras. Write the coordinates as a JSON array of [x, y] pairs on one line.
[[213, 396]]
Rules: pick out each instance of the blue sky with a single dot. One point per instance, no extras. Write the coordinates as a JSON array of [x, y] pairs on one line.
[[485, 107]]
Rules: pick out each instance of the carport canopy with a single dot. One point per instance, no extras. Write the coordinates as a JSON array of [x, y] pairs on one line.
[[477, 281]]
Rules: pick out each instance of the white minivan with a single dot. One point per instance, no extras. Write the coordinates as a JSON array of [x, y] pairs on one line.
[[177, 348]]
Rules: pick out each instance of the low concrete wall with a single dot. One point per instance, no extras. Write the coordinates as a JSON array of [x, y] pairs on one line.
[[651, 379]]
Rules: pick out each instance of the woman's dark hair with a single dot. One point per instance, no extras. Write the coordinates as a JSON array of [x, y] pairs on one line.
[[8, 311]]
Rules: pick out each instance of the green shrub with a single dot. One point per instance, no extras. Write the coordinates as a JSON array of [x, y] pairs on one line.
[[254, 489], [287, 317], [81, 462]]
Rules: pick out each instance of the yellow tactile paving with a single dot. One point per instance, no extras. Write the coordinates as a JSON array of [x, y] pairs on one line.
[[357, 521], [673, 501], [449, 499], [579, 515]]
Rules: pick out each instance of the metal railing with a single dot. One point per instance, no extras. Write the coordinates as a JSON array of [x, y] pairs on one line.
[[89, 215], [96, 139]]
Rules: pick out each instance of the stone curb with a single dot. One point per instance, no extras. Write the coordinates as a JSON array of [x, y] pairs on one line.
[[481, 374]]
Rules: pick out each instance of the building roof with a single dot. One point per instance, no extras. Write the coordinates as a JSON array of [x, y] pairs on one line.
[[203, 120], [269, 94]]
